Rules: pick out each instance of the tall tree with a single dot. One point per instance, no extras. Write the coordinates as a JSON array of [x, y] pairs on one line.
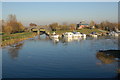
[[12, 25], [54, 26]]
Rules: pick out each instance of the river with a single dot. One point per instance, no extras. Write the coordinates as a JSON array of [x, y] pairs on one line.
[[41, 57]]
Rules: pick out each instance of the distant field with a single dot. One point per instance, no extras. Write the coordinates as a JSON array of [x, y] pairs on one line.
[[85, 31], [88, 31]]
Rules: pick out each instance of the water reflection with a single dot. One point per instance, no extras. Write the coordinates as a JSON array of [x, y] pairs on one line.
[[105, 58], [66, 40], [40, 38], [14, 50], [62, 60], [55, 40], [108, 56], [78, 39]]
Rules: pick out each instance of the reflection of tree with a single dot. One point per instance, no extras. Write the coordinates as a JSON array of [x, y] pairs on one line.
[[13, 51], [108, 56], [107, 59]]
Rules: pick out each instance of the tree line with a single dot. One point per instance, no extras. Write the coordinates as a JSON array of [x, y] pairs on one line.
[[104, 25], [13, 26]]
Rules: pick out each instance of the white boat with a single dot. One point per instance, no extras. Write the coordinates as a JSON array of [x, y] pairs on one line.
[[55, 36], [80, 35], [94, 35], [77, 34], [68, 34], [54, 33], [74, 35], [114, 34], [84, 35]]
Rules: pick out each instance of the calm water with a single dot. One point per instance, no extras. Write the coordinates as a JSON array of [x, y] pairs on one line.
[[40, 57]]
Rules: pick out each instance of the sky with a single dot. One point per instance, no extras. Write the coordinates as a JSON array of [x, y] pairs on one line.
[[43, 13], [0, 10], [59, 0]]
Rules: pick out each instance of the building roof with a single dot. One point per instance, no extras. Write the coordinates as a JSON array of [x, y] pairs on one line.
[[83, 24]]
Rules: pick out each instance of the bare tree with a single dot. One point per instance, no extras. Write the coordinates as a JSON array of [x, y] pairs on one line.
[[92, 23], [54, 26], [32, 24], [12, 26]]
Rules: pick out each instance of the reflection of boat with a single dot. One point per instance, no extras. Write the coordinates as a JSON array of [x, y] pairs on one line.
[[68, 39], [55, 40]]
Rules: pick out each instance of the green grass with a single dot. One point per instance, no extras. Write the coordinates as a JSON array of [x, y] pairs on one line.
[[26, 34], [15, 36], [85, 31], [8, 39], [88, 31]]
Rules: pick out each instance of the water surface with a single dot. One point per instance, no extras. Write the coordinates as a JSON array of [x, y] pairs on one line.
[[40, 57]]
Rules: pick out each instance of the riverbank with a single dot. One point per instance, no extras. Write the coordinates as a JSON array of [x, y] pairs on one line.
[[15, 38], [84, 31]]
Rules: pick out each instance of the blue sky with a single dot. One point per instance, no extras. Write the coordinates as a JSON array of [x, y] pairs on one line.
[[43, 13]]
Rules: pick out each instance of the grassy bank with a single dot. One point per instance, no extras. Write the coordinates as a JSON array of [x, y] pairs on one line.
[[8, 39], [85, 31]]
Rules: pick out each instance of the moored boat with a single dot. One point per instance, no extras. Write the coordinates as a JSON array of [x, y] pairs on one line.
[[68, 34], [55, 36], [84, 35]]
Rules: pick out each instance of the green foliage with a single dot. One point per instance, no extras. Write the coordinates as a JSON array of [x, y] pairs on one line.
[[85, 31]]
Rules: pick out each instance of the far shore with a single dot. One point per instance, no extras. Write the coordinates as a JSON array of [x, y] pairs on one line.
[[9, 39]]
